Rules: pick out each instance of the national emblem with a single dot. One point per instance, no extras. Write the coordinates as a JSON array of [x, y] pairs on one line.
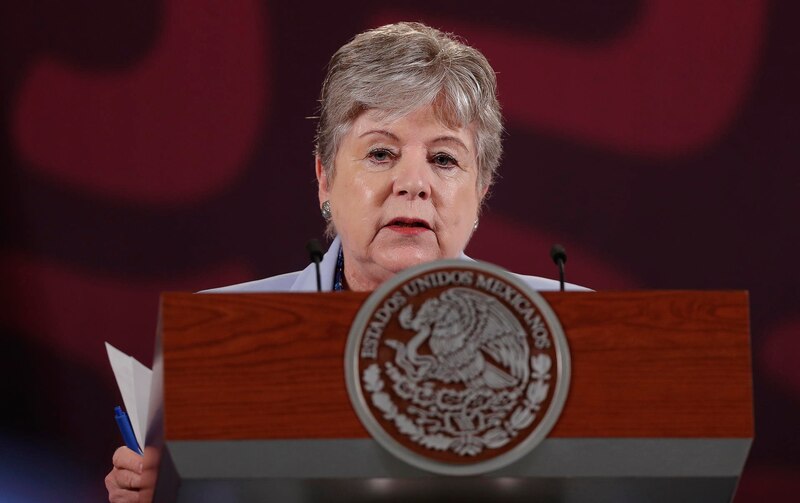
[[457, 367]]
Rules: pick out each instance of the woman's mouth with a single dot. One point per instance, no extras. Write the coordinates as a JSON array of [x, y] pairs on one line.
[[408, 226]]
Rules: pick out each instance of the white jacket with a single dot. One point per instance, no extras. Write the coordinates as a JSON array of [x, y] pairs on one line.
[[306, 280]]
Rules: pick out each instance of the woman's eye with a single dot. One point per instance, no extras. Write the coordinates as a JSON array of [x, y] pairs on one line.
[[444, 160], [380, 155]]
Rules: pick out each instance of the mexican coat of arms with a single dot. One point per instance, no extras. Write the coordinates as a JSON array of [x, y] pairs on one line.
[[457, 367]]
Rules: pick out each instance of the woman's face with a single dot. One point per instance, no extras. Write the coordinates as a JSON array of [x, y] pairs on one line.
[[404, 192]]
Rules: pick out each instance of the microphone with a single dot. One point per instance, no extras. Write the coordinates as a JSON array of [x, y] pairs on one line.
[[315, 254], [559, 256]]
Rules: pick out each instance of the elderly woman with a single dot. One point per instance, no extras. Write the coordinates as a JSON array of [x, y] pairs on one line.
[[408, 143]]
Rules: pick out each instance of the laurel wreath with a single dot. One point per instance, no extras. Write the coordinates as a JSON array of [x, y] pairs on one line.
[[468, 444]]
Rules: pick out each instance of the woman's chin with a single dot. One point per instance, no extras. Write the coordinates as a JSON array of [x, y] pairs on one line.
[[400, 258]]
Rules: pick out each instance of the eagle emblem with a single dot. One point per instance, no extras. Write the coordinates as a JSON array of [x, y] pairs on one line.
[[455, 373]]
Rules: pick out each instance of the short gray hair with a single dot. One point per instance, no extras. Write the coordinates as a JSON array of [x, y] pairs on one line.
[[400, 67]]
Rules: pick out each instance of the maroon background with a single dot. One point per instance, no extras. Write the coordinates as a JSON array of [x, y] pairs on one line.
[[154, 146]]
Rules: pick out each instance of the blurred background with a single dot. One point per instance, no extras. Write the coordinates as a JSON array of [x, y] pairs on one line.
[[161, 145]]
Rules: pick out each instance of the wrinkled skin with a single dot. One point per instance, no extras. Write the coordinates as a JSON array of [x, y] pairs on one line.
[[124, 481], [403, 192]]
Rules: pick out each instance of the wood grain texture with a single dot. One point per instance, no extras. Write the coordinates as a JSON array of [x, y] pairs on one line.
[[644, 364]]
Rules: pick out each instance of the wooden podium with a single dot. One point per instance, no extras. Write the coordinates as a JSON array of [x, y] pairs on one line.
[[249, 404]]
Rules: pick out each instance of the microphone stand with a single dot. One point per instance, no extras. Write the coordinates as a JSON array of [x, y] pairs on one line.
[[559, 256], [315, 254]]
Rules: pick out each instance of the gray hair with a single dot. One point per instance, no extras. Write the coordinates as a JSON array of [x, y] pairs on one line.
[[400, 67]]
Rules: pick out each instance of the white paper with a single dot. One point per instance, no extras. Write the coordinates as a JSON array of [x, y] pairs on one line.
[[133, 380]]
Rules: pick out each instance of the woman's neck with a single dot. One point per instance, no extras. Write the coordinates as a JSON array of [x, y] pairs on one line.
[[360, 283]]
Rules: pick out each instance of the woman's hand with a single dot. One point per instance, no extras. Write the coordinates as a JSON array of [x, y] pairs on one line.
[[124, 480]]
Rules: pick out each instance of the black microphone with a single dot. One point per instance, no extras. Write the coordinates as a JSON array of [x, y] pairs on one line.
[[559, 256], [315, 254]]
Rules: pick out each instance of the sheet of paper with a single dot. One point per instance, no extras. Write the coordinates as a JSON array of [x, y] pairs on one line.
[[133, 380]]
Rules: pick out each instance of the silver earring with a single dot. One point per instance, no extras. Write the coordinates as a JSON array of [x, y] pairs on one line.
[[325, 209], [475, 226]]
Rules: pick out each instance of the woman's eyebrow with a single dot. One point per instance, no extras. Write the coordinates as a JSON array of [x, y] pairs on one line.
[[380, 132], [450, 139], [439, 139]]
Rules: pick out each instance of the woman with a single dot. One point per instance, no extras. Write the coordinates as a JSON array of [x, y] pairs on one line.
[[408, 143]]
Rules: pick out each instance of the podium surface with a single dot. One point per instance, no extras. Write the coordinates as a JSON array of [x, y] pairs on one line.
[[251, 403]]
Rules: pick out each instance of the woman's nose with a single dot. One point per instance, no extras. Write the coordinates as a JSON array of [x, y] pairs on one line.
[[412, 179]]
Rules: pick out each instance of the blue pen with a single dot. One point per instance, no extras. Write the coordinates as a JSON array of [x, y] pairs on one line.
[[124, 423]]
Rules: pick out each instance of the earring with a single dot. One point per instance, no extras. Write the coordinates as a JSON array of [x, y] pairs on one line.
[[325, 209], [475, 225]]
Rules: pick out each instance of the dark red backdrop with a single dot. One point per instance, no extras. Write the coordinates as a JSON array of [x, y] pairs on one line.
[[164, 145]]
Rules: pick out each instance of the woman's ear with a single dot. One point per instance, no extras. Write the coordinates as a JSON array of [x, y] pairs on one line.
[[482, 191], [322, 180]]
